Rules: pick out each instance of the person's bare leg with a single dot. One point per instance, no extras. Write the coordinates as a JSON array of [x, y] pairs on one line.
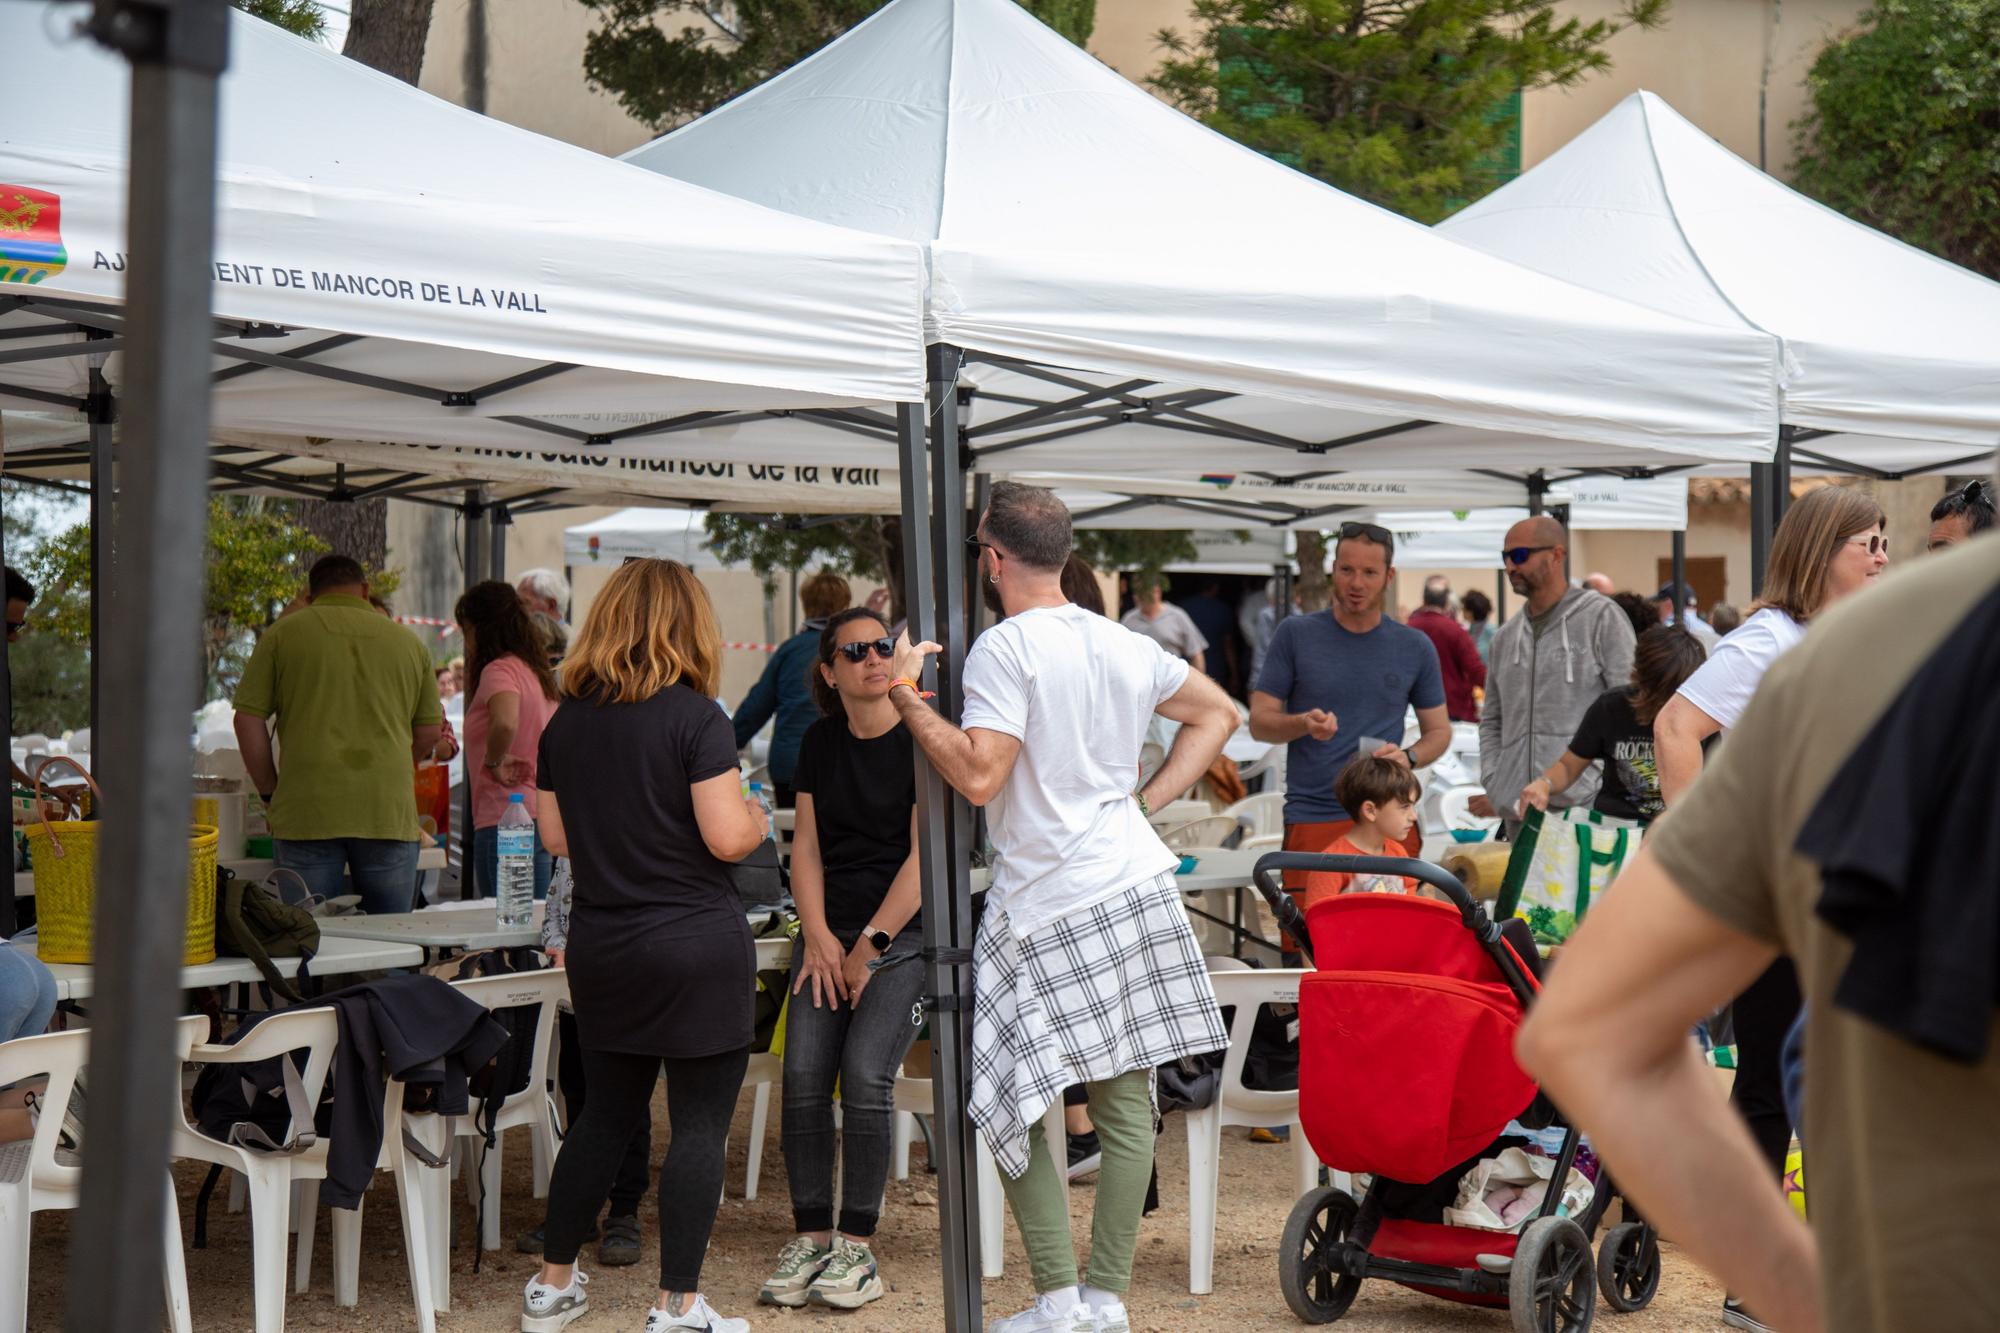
[[1076, 1120]]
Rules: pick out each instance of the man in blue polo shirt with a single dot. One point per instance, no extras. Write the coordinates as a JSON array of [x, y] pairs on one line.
[[1338, 675]]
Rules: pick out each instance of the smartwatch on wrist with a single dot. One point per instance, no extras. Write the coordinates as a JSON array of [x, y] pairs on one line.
[[1411, 756], [881, 939]]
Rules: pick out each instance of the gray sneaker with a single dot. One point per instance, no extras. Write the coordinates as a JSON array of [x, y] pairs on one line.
[[798, 1264], [548, 1309], [850, 1279]]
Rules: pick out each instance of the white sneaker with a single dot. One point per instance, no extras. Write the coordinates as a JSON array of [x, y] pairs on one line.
[[696, 1316], [546, 1309], [1111, 1318], [1047, 1317]]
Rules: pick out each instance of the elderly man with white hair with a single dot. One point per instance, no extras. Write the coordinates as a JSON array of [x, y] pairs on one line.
[[545, 591]]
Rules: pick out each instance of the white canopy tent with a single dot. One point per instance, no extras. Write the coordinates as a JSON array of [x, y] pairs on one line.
[[672, 534], [1892, 356], [1472, 539], [409, 270], [1226, 310]]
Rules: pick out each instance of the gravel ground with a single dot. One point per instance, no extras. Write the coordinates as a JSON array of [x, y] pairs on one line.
[[1254, 1202]]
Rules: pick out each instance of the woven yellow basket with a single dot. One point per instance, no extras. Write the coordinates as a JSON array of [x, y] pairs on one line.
[[65, 860]]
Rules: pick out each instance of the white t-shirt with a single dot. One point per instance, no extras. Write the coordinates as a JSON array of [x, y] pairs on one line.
[[1077, 691], [1722, 686]]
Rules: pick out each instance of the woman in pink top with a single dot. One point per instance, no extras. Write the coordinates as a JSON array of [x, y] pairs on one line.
[[513, 694]]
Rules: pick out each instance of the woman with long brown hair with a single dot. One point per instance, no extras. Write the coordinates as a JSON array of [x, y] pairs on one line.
[[1830, 545], [639, 787], [513, 694]]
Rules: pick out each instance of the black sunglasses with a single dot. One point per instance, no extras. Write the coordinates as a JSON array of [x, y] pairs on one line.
[[858, 652], [976, 546], [1372, 531], [1518, 555]]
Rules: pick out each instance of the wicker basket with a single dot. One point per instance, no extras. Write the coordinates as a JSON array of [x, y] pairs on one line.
[[65, 861]]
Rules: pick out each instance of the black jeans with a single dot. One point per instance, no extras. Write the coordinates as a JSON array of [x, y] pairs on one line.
[[635, 1168], [701, 1098], [1763, 1015], [861, 1046]]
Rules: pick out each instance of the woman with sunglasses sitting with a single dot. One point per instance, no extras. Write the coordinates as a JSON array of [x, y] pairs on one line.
[[856, 971]]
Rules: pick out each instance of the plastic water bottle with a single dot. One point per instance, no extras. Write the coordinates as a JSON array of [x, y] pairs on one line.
[[515, 908], [762, 796]]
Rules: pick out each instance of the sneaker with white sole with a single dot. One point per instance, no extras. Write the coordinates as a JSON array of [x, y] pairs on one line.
[[1111, 1318], [798, 1264], [1734, 1315], [850, 1279], [546, 1309], [1047, 1317], [697, 1316]]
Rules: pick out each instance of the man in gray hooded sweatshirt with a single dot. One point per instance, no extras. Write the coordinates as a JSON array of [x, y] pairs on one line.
[[1546, 667]]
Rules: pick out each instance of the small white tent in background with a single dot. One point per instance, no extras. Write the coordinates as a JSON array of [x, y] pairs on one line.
[[660, 534], [1472, 538], [1893, 351]]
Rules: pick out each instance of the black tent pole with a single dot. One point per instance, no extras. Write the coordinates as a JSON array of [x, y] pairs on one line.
[[1762, 483], [475, 565], [101, 411], [1680, 577], [152, 655], [931, 577]]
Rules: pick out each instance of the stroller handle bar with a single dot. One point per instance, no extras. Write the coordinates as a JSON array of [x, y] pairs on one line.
[[1272, 864]]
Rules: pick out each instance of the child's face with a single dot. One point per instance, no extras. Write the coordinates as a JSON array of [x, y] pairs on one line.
[[1394, 819]]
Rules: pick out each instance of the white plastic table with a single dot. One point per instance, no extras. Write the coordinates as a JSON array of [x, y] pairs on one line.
[[252, 868], [336, 957], [469, 927]]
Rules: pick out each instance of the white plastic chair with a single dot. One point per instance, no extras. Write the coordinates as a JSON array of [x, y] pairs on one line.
[[1260, 815], [915, 1097], [38, 1174], [1247, 989], [270, 1175], [426, 1223], [762, 1074], [1271, 765], [1211, 831], [530, 1107]]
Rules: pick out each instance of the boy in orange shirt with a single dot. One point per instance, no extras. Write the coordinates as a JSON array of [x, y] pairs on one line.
[[1382, 796]]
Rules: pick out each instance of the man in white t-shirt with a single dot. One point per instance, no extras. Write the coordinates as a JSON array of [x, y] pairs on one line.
[[1085, 970]]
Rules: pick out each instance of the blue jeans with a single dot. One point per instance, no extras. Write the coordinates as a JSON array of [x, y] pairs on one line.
[[486, 863], [27, 992], [384, 873]]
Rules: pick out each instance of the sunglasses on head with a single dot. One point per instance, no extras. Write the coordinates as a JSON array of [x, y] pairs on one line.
[[858, 652], [1374, 532], [1519, 555]]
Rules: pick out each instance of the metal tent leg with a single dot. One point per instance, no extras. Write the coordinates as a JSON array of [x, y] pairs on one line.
[[1680, 577], [498, 523], [152, 661], [101, 410], [476, 557], [933, 574], [1762, 482]]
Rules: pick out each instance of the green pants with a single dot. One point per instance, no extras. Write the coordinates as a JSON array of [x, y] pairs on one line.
[[1122, 1110]]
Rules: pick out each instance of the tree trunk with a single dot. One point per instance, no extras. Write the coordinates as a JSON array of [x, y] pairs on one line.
[[1311, 587], [357, 528], [389, 35]]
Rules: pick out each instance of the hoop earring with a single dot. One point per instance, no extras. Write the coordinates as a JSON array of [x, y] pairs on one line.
[[993, 579]]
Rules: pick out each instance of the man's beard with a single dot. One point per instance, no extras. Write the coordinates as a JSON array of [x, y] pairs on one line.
[[990, 592]]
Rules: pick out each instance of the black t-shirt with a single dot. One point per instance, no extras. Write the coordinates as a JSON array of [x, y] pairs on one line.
[[660, 956], [1611, 731], [863, 792]]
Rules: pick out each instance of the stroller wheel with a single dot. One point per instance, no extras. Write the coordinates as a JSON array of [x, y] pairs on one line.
[[1551, 1288], [1628, 1266], [1309, 1256]]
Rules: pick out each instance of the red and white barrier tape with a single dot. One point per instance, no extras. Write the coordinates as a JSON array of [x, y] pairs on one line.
[[754, 647], [448, 627]]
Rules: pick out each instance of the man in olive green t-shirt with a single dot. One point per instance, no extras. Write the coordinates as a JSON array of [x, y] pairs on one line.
[[356, 701], [1901, 1170]]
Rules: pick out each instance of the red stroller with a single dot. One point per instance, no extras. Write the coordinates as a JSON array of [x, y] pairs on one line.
[[1406, 1073]]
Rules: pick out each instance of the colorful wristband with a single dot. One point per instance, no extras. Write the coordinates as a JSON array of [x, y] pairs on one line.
[[915, 688]]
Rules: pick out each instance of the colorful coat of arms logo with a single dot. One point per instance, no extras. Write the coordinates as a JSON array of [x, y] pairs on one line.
[[31, 247]]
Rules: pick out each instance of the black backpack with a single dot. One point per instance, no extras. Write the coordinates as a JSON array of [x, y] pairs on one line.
[[252, 921], [260, 1105]]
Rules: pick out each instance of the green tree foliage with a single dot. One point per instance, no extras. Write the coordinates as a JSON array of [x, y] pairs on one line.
[[303, 18], [258, 557], [1402, 102], [1902, 131], [663, 74]]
